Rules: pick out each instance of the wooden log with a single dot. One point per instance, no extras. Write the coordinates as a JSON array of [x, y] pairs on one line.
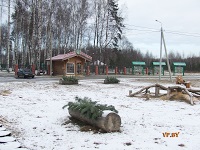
[[109, 122], [187, 84], [191, 96], [196, 95], [193, 90], [168, 93], [161, 86], [130, 92], [178, 88], [157, 91], [140, 91], [182, 89], [146, 89]]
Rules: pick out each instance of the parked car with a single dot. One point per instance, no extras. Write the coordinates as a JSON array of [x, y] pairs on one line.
[[42, 71], [25, 73]]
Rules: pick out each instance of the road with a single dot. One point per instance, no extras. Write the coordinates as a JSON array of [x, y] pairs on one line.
[[10, 77]]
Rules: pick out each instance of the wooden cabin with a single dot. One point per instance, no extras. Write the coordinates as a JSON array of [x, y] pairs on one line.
[[70, 64]]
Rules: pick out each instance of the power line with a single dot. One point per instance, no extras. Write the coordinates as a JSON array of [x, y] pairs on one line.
[[149, 32], [167, 31], [182, 33], [140, 27]]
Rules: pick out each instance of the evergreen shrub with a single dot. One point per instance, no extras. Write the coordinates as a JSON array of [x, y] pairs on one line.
[[89, 108], [111, 80]]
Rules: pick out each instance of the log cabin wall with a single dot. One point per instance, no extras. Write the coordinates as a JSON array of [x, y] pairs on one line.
[[58, 67], [78, 65]]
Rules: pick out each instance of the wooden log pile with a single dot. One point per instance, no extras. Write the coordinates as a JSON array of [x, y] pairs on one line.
[[171, 90]]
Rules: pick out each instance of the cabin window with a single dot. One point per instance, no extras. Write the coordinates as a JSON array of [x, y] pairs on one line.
[[70, 68]]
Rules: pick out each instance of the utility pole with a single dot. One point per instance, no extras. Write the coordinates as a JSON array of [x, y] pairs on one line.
[[168, 65], [160, 65], [8, 38]]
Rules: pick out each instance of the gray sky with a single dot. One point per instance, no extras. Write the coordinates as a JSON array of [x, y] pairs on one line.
[[180, 20]]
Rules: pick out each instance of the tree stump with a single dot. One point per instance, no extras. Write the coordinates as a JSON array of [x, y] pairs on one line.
[[187, 84], [109, 121], [179, 80]]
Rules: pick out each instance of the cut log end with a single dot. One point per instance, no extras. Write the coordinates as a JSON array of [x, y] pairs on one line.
[[112, 122]]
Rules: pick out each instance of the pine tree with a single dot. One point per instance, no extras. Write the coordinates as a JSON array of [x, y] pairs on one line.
[[116, 22]]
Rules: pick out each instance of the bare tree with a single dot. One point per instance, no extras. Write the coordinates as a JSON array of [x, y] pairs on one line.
[[8, 38], [39, 35]]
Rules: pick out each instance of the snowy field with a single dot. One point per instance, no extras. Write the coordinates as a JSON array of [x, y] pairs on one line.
[[33, 112]]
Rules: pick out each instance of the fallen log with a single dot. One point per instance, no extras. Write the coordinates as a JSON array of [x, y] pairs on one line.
[[146, 89], [140, 91], [171, 91], [109, 122], [180, 89]]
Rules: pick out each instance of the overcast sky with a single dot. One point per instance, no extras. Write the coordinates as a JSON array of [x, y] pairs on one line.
[[180, 20]]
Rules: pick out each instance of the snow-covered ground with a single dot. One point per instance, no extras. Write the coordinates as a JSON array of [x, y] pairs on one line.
[[34, 113]]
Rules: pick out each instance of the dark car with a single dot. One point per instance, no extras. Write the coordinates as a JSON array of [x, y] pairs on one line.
[[25, 73]]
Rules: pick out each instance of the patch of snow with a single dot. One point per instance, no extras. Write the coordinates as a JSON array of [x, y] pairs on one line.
[[106, 112], [35, 110]]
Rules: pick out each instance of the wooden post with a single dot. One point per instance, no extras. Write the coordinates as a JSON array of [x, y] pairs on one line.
[[48, 69], [130, 92], [157, 91], [33, 68], [168, 92], [147, 70], [88, 70], [106, 70], [16, 69], [191, 100], [116, 70], [96, 70], [124, 70], [82, 68], [75, 68]]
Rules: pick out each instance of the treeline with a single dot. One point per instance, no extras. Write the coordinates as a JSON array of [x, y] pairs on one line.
[[40, 29], [124, 58], [44, 28]]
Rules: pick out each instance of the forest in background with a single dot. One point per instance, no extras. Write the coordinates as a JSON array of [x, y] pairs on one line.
[[40, 29]]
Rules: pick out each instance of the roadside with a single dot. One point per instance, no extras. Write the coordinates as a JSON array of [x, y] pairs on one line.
[[194, 78], [5, 73]]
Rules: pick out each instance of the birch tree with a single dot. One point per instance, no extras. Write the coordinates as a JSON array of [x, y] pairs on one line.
[[39, 35], [8, 38]]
